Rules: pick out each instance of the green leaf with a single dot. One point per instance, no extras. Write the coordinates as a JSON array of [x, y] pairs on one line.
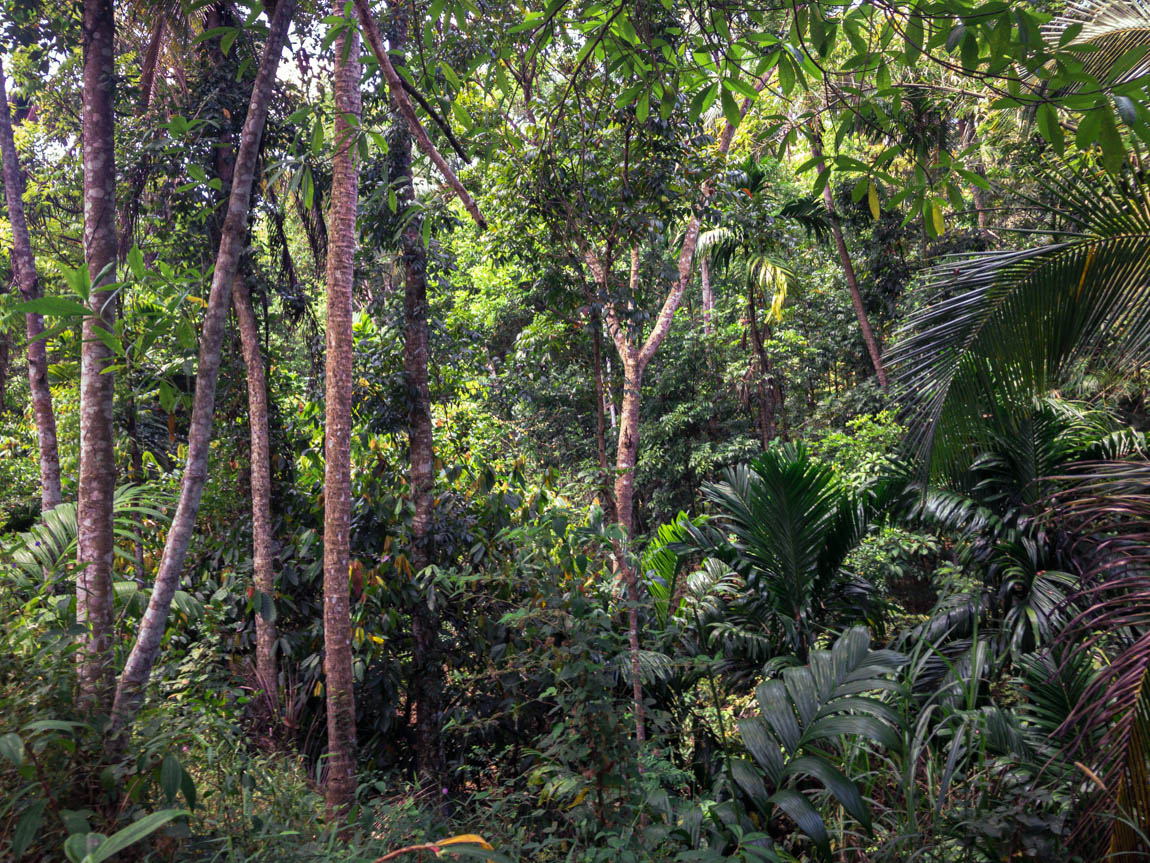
[[12, 748], [872, 200], [55, 306], [170, 775], [1049, 127], [730, 109], [28, 827], [843, 789], [805, 816], [1113, 150], [132, 834]]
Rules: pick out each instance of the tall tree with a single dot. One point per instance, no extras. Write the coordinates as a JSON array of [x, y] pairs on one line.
[[97, 452], [339, 680], [261, 483], [427, 670], [142, 658], [29, 282]]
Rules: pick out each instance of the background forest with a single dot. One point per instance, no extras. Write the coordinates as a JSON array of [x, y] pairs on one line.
[[693, 430]]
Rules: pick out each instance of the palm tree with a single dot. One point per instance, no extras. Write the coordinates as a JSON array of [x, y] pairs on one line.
[[794, 525]]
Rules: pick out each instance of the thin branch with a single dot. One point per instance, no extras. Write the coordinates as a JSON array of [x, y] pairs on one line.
[[399, 93]]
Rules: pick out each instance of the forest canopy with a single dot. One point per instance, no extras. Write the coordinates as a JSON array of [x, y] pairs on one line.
[[582, 431]]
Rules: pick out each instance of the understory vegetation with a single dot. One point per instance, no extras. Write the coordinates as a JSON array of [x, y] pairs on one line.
[[582, 431]]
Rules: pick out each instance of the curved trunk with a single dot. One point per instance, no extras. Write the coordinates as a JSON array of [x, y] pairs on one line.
[[97, 454], [261, 487], [142, 658], [26, 276], [340, 785]]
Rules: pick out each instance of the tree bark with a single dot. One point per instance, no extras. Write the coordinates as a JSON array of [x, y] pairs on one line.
[[708, 295], [142, 658], [606, 492], [340, 680], [625, 457], [427, 664], [97, 453], [848, 269], [24, 262], [766, 408], [968, 135], [261, 482]]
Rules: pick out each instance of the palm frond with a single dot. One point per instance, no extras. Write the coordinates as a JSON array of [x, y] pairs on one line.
[[1111, 31], [1007, 325]]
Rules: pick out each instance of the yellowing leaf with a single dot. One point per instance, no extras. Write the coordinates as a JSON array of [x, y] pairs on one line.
[[872, 199], [467, 839], [936, 217]]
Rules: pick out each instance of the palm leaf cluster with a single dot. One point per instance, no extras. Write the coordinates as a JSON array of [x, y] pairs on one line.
[[1007, 326]]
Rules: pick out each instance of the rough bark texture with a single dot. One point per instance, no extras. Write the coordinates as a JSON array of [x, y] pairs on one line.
[[849, 270], [261, 481], [766, 388], [97, 455], [403, 105], [708, 295], [28, 280], [143, 656], [427, 665], [606, 492], [340, 785]]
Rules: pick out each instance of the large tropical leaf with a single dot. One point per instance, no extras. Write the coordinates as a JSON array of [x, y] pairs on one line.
[[1108, 38], [1006, 326], [807, 716]]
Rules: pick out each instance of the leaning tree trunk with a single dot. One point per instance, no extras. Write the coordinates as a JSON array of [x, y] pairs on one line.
[[140, 661], [29, 282], [95, 536], [261, 486], [427, 665], [339, 680], [848, 269]]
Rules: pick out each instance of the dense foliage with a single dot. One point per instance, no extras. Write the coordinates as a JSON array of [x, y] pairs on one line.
[[590, 431]]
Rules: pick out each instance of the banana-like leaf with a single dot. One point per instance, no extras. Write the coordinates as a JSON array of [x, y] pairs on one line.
[[806, 715]]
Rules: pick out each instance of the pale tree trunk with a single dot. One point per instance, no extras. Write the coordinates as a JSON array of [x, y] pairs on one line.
[[95, 536], [708, 295], [29, 282], [262, 564], [338, 674], [635, 359], [427, 664], [848, 268], [140, 661], [606, 492]]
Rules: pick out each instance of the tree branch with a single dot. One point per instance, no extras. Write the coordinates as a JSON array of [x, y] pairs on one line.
[[399, 93]]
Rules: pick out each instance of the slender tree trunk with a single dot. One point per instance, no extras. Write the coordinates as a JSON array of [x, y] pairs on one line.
[[968, 134], [97, 453], [625, 457], [142, 658], [427, 665], [849, 270], [28, 279], [262, 563], [708, 295], [766, 407], [340, 681], [605, 492]]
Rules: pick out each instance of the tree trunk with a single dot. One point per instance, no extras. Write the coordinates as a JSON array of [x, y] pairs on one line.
[[140, 661], [24, 262], [766, 406], [97, 453], [262, 564], [708, 295], [605, 491], [340, 680], [625, 457], [968, 135], [427, 665], [848, 269]]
